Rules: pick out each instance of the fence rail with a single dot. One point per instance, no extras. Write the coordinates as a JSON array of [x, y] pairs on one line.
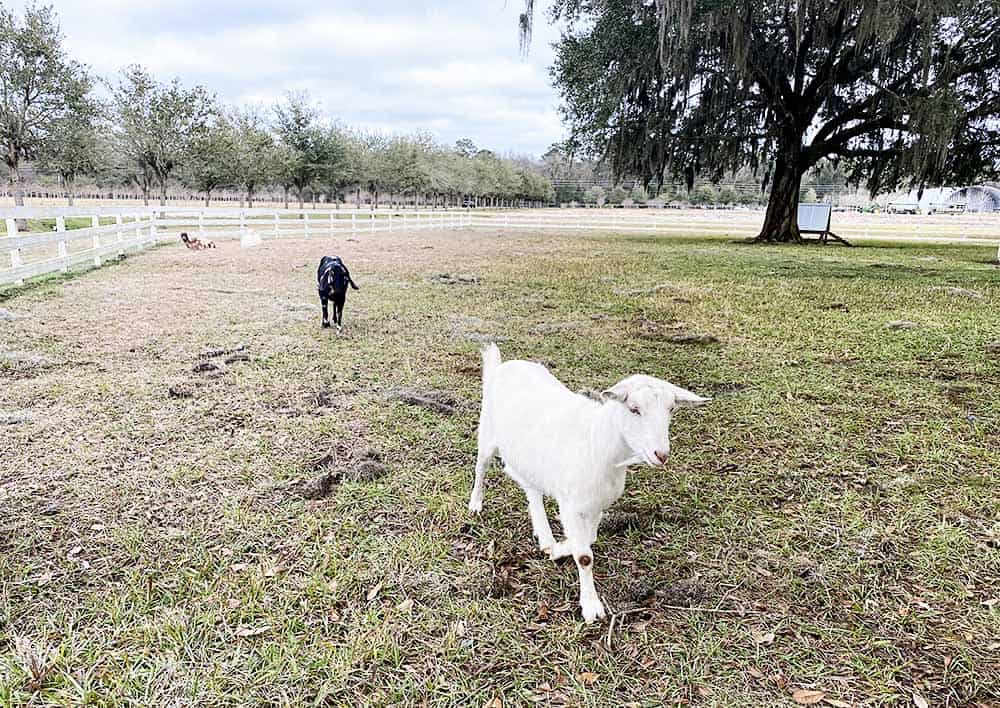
[[61, 238]]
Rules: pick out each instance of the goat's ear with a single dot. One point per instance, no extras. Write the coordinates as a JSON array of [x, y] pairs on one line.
[[685, 398], [618, 392]]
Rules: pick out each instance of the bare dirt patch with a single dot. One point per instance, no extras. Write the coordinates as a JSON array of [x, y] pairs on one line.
[[336, 468], [441, 402]]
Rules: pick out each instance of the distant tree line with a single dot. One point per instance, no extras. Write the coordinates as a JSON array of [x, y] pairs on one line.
[[151, 136], [588, 181]]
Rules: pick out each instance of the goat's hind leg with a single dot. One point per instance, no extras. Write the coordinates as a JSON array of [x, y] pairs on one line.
[[487, 449], [539, 519]]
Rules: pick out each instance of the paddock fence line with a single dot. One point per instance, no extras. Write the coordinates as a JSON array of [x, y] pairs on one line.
[[983, 229], [43, 240]]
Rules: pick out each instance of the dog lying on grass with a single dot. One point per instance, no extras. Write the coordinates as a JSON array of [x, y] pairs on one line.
[[332, 280], [195, 244]]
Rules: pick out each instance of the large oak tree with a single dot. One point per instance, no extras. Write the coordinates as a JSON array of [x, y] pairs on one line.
[[902, 94]]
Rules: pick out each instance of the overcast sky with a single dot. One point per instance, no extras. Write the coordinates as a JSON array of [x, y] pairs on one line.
[[445, 66]]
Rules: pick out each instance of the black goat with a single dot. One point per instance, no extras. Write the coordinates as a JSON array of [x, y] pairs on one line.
[[332, 279]]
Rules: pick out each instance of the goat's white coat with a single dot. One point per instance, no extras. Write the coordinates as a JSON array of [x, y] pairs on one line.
[[556, 443]]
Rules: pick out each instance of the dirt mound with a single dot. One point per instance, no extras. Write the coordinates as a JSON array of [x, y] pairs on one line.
[[693, 339], [440, 402], [451, 279], [180, 390], [366, 467], [683, 593], [215, 353], [206, 367]]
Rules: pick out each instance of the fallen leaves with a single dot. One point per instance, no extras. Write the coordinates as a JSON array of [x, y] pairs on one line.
[[919, 701], [251, 631], [374, 592], [587, 678], [761, 637], [807, 697]]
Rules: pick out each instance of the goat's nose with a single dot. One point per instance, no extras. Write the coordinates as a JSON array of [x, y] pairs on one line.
[[662, 456]]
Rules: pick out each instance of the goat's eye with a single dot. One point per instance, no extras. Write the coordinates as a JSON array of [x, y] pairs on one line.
[[634, 411]]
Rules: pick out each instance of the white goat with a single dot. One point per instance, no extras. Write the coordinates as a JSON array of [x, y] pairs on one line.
[[560, 444]]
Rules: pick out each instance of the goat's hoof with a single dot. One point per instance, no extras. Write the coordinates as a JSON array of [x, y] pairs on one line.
[[475, 506], [592, 611], [326, 325]]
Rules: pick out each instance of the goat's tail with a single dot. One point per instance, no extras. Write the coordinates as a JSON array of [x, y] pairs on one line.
[[491, 360]]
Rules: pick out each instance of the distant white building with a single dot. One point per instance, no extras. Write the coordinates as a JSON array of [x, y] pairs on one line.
[[979, 198], [976, 198], [927, 201]]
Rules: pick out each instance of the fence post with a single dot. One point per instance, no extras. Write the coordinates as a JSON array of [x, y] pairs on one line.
[[119, 231], [277, 224], [61, 228], [15, 253], [95, 222], [390, 221], [152, 228], [371, 224], [331, 223], [306, 215], [138, 231], [354, 223], [243, 224], [201, 224]]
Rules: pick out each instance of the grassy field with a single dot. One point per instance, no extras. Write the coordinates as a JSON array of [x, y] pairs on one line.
[[828, 528]]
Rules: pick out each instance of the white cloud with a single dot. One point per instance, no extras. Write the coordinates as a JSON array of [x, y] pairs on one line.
[[450, 67]]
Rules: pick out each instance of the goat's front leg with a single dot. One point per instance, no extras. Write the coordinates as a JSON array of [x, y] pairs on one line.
[[581, 532]]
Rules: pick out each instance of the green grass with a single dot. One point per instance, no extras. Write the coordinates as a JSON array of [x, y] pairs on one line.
[[72, 222], [830, 521]]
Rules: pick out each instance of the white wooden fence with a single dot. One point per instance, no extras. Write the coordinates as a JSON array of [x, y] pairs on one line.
[[52, 245], [49, 246], [940, 228]]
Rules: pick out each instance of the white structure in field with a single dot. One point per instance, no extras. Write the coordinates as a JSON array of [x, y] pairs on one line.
[[977, 198]]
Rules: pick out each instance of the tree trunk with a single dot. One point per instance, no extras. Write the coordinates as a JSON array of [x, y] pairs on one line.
[[208, 196], [286, 197], [781, 222], [249, 198], [15, 182], [163, 192], [145, 196]]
